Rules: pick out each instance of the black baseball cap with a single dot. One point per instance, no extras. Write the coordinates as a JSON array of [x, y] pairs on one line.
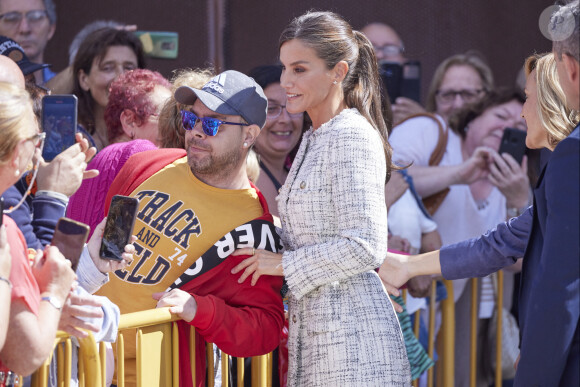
[[12, 50], [230, 93]]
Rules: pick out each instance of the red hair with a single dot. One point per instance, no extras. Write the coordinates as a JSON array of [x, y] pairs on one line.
[[131, 90]]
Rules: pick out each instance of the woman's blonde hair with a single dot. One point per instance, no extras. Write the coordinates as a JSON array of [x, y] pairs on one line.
[[15, 115], [555, 117], [171, 131]]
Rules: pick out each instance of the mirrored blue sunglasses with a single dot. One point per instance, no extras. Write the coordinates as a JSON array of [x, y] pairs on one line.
[[209, 125]]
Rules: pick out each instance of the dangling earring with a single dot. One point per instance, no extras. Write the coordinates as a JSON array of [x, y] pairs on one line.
[[335, 82]]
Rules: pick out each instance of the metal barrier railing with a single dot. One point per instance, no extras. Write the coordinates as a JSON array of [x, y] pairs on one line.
[[157, 342], [157, 350]]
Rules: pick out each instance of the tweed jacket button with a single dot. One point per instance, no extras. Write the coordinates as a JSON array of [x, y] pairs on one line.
[[294, 318], [302, 185]]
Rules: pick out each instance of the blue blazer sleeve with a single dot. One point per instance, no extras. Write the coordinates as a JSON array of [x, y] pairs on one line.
[[486, 254], [551, 317]]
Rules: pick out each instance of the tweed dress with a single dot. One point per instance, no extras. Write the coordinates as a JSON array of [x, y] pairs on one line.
[[343, 327]]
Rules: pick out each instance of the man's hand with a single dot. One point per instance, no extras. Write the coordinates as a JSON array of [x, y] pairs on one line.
[[76, 308], [181, 303], [109, 265]]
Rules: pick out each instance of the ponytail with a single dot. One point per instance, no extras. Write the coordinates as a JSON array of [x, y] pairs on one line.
[[363, 90]]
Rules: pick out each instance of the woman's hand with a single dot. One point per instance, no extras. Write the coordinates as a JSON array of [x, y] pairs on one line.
[[5, 257], [510, 178], [77, 307], [109, 265], [261, 262], [53, 273], [394, 272], [476, 167]]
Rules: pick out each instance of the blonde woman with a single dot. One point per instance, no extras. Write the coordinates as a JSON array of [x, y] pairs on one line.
[[38, 293]]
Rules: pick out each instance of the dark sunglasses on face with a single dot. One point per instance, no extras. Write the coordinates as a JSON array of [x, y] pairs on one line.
[[209, 125]]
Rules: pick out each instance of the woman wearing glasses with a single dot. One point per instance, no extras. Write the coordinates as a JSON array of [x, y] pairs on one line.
[[279, 136], [38, 293], [479, 196], [343, 328]]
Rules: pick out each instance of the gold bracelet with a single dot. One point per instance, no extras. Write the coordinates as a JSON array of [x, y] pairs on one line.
[[4, 279]]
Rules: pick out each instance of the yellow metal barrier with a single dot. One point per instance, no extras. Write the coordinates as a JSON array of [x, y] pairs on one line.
[[157, 356], [446, 340]]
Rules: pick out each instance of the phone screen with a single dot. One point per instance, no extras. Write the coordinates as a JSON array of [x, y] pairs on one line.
[[119, 227], [59, 122], [70, 237], [513, 142]]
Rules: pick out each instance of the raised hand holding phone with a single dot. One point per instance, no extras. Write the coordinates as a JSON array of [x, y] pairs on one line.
[[105, 265], [119, 226]]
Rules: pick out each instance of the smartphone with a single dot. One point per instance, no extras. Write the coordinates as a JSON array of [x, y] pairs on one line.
[[159, 44], [1, 211], [513, 142], [70, 237], [119, 226], [59, 122], [411, 82], [402, 80]]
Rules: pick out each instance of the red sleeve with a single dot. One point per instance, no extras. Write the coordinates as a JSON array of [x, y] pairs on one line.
[[139, 168], [247, 323]]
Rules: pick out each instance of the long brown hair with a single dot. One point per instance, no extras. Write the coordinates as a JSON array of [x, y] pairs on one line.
[[334, 40]]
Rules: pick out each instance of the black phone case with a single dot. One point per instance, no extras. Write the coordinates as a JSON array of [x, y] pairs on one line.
[[119, 226], [513, 142]]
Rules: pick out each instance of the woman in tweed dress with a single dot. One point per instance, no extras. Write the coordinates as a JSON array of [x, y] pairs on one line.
[[343, 328]]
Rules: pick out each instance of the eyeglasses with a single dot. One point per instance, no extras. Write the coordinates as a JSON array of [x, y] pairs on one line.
[[13, 19], [389, 50], [37, 139], [209, 125], [468, 95], [274, 112]]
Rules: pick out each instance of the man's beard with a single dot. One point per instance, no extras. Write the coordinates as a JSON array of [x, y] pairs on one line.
[[214, 165]]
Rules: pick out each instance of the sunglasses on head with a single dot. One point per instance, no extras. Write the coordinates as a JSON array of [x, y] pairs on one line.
[[209, 125]]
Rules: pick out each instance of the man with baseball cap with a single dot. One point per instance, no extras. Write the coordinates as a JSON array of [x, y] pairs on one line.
[[197, 207], [12, 50]]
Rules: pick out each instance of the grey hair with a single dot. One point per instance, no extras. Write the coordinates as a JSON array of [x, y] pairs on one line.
[[565, 30], [86, 31], [51, 11]]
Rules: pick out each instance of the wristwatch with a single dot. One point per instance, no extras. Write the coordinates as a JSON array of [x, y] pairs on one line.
[[52, 301]]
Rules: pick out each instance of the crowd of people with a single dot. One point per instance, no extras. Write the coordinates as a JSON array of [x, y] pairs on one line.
[[263, 200]]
